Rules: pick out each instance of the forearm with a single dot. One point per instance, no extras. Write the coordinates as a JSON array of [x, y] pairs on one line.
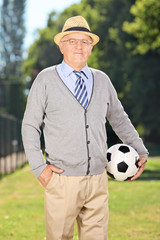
[[128, 134], [32, 146]]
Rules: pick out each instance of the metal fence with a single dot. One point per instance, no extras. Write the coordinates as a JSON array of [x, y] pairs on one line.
[[11, 149], [11, 98]]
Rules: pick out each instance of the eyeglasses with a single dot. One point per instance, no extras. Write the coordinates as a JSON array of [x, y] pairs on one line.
[[74, 41]]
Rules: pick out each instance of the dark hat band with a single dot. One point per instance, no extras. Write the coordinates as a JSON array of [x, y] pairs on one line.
[[83, 29]]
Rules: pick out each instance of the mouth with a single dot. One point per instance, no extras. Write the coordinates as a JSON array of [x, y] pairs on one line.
[[77, 52]]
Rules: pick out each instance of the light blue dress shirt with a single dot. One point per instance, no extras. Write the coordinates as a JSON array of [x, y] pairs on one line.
[[69, 78]]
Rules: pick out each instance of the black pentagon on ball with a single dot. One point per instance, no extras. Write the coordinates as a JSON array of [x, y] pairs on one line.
[[122, 167], [111, 175], [136, 162], [109, 156], [124, 149], [128, 178]]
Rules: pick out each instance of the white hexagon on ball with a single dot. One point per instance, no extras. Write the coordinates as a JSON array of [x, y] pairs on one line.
[[122, 162]]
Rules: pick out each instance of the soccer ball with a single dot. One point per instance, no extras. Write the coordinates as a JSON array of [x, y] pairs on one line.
[[122, 162]]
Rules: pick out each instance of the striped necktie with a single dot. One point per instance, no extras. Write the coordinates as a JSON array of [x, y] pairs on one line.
[[80, 90]]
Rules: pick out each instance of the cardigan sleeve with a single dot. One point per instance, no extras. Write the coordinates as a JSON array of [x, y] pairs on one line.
[[31, 126], [121, 123]]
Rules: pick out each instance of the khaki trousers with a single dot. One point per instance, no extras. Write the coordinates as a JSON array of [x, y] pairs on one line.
[[84, 199]]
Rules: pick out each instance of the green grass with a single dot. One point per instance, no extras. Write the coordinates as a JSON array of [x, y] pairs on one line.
[[134, 207]]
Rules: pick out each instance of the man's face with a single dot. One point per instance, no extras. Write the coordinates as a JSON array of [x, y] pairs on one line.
[[75, 52]]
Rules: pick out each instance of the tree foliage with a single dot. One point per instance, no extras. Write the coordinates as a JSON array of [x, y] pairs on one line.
[[12, 33], [144, 59], [146, 26], [11, 38]]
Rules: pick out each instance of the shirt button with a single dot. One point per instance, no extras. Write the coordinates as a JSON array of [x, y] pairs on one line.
[[88, 142]]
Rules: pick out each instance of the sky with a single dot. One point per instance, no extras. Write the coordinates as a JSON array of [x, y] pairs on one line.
[[37, 14]]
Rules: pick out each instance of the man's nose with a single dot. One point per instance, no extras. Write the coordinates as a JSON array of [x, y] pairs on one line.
[[79, 44]]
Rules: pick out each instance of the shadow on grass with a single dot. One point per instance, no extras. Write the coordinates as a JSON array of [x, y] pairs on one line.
[[149, 175]]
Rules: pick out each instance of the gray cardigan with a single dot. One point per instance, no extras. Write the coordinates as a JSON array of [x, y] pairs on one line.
[[75, 138]]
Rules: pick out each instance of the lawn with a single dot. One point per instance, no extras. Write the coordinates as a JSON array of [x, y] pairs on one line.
[[134, 207]]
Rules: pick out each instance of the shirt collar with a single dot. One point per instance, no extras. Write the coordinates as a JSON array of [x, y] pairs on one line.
[[67, 70]]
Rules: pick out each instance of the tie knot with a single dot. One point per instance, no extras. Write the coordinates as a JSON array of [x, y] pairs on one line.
[[77, 73]]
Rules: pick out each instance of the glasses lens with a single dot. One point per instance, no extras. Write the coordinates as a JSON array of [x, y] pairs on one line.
[[84, 42], [72, 41]]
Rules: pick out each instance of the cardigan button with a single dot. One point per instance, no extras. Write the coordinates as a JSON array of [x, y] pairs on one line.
[[89, 158], [88, 142], [87, 126]]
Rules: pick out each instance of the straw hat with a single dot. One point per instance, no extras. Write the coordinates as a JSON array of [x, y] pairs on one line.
[[76, 24]]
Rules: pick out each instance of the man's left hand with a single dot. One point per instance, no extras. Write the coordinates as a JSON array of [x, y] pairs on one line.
[[141, 164]]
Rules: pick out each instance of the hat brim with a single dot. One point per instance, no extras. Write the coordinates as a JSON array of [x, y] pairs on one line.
[[59, 36]]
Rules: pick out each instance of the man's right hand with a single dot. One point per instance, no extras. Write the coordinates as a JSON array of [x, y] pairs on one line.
[[46, 175]]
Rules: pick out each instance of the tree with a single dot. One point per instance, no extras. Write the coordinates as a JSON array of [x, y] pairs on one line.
[[42, 53], [12, 36], [144, 87], [145, 27]]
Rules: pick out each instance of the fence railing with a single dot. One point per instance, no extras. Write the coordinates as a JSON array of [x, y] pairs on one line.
[[11, 149]]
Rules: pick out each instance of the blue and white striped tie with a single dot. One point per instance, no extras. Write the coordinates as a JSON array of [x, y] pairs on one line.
[[80, 90]]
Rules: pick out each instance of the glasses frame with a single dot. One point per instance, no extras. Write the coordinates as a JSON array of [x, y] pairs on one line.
[[76, 40]]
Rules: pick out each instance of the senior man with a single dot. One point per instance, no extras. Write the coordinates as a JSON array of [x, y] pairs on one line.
[[72, 102]]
